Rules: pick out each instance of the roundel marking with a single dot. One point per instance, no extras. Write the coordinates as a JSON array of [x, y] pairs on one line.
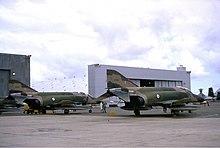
[[158, 96], [53, 99]]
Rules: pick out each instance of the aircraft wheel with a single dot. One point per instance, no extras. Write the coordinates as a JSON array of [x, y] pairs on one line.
[[174, 113], [66, 111], [90, 111], [43, 111], [164, 109], [190, 111], [137, 112]]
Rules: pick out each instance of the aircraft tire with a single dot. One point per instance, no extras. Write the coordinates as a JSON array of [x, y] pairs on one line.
[[90, 111], [66, 111], [174, 113], [137, 112], [43, 111]]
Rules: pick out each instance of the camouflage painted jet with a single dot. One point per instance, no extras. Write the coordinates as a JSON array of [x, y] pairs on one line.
[[144, 98], [42, 101], [211, 95]]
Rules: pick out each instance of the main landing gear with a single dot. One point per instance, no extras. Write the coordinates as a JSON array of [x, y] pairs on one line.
[[175, 112], [66, 111], [137, 112]]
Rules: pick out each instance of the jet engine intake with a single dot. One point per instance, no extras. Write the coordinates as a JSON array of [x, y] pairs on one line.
[[137, 101], [33, 103]]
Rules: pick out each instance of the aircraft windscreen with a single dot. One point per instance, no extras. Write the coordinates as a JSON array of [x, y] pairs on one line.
[[184, 88]]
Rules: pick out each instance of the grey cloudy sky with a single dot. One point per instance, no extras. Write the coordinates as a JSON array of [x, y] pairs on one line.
[[64, 36]]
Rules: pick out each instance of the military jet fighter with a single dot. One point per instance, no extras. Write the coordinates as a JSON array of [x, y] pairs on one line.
[[41, 101], [211, 95], [144, 98]]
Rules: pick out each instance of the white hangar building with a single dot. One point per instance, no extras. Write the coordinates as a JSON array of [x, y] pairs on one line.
[[97, 77]]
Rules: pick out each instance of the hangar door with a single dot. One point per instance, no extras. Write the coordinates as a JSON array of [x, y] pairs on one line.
[[4, 82], [147, 83]]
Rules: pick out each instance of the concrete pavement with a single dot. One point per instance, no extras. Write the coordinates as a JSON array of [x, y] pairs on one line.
[[121, 129]]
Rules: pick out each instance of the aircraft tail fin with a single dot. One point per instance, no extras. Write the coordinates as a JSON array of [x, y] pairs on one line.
[[19, 87], [211, 92], [117, 80]]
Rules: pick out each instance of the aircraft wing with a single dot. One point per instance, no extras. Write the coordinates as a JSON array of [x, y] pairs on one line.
[[168, 102], [121, 93], [175, 102], [64, 102], [2, 110], [104, 96], [178, 105], [74, 107], [185, 108], [68, 104], [10, 101], [7, 103]]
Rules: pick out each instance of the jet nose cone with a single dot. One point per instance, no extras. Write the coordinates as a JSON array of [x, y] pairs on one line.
[[200, 98]]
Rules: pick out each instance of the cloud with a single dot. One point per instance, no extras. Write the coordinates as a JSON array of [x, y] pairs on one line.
[[64, 37]]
